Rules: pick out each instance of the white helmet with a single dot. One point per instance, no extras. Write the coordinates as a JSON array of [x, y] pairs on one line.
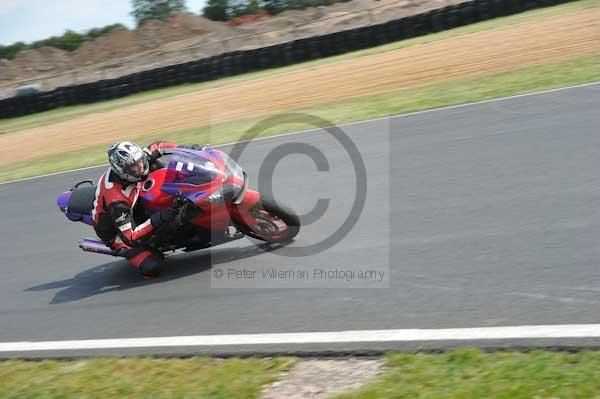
[[128, 161]]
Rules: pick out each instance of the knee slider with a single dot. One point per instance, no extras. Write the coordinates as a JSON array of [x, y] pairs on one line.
[[151, 266]]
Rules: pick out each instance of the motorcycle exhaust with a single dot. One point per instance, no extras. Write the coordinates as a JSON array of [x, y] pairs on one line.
[[96, 246]]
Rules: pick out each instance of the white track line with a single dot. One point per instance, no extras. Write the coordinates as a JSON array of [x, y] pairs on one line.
[[410, 335], [348, 124]]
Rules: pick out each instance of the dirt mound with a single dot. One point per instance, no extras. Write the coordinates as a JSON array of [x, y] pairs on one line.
[[118, 43], [42, 60], [250, 18], [181, 30], [122, 43], [7, 71], [180, 26], [186, 37], [194, 24]]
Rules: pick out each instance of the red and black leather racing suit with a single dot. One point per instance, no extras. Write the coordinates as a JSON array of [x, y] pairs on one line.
[[115, 220]]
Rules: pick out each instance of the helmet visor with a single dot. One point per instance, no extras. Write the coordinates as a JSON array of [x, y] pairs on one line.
[[139, 168]]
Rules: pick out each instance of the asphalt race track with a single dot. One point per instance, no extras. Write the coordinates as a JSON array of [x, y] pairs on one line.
[[483, 215]]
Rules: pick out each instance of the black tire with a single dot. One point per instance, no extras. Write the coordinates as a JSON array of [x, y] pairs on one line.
[[286, 214]]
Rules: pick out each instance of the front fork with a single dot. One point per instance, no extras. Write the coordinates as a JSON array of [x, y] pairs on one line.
[[241, 213]]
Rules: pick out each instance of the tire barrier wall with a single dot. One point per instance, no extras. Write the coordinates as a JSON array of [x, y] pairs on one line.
[[296, 51]]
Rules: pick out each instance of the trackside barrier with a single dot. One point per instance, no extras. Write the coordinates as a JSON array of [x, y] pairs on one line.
[[238, 62]]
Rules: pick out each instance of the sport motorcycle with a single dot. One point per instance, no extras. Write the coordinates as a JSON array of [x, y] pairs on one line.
[[211, 194]]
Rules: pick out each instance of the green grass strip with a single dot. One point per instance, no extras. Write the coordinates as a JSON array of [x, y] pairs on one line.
[[196, 377], [468, 374]]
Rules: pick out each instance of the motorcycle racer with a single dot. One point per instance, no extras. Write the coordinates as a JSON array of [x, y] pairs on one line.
[[156, 201], [115, 205]]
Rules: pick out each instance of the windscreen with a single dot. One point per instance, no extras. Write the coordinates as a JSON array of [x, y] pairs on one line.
[[189, 168]]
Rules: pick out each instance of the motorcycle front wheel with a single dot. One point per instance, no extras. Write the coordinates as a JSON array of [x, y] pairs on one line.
[[275, 222]]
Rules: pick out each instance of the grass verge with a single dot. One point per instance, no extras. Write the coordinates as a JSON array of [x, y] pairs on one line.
[[139, 378], [459, 374], [67, 113], [571, 72], [466, 374]]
